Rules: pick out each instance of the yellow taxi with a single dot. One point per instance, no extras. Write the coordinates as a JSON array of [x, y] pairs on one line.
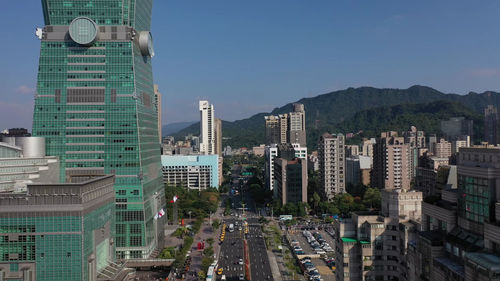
[[219, 271]]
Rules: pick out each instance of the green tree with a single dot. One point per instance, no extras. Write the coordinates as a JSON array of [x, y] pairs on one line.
[[372, 198], [345, 203], [316, 199], [215, 224], [210, 241]]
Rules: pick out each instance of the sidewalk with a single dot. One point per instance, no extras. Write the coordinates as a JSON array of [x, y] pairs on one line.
[[274, 266], [197, 255], [205, 232]]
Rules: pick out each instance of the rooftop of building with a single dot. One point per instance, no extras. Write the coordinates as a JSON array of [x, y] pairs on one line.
[[9, 146], [489, 261], [464, 239], [442, 204], [40, 188], [349, 240], [328, 135], [189, 160], [367, 213], [433, 236], [451, 265]]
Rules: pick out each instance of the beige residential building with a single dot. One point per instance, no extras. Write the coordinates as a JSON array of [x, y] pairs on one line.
[[442, 149], [218, 137], [297, 125], [351, 150], [391, 162], [283, 128], [457, 144], [331, 158], [367, 147]]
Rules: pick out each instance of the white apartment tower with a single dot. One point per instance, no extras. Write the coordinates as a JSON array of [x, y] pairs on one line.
[[331, 158], [207, 128]]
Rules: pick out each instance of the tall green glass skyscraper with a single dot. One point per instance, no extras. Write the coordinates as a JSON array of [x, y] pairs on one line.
[[95, 106]]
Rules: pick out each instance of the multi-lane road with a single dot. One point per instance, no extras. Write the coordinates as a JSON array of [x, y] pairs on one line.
[[259, 261], [232, 246], [230, 254]]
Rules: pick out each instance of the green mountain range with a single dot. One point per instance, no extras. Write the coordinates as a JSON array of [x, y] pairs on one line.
[[367, 109]]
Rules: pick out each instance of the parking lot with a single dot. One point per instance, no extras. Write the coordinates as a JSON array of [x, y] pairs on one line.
[[297, 235]]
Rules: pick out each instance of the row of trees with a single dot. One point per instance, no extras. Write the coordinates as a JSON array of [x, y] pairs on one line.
[[342, 204]]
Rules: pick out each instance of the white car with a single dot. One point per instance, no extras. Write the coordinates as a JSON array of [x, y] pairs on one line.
[[242, 277]]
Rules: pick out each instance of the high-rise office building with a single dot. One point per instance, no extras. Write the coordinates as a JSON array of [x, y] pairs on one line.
[[331, 158], [297, 125], [207, 128], [271, 152], [491, 124], [290, 175], [95, 106], [158, 110], [456, 127], [272, 129], [391, 162], [276, 129]]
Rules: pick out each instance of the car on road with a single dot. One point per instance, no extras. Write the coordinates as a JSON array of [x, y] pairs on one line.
[[240, 261], [223, 278], [242, 277], [219, 271]]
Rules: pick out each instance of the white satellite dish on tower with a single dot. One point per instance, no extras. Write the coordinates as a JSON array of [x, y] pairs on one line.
[[39, 33]]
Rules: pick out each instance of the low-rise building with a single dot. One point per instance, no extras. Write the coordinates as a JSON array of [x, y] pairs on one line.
[[191, 171], [259, 150], [62, 231]]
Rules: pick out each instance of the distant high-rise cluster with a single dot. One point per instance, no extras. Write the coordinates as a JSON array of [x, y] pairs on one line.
[[287, 128], [286, 131]]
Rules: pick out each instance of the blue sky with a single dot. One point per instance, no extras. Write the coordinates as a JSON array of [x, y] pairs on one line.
[[249, 56]]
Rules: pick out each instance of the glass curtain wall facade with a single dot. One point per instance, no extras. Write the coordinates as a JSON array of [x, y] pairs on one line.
[[95, 107]]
